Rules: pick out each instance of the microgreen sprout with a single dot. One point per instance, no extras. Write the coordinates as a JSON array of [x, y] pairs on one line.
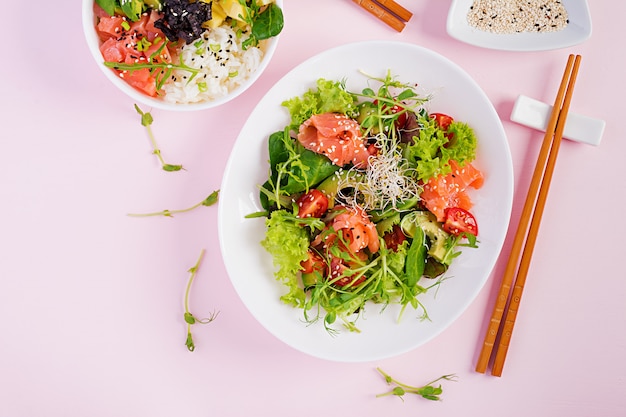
[[190, 319], [209, 201], [428, 391], [146, 121]]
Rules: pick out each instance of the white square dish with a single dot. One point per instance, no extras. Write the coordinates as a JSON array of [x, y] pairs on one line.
[[577, 31]]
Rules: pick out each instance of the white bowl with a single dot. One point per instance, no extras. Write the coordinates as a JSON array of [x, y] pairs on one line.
[[89, 22], [577, 31]]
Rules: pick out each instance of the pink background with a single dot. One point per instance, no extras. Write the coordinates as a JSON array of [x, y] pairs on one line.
[[91, 299]]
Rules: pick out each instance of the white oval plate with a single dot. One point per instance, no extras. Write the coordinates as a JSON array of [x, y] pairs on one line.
[[250, 266], [577, 31]]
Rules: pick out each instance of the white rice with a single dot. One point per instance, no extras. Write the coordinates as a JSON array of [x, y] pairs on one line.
[[223, 66]]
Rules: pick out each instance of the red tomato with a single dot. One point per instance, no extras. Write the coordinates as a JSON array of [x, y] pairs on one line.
[[443, 120], [313, 263], [312, 204], [459, 221], [402, 117], [394, 238]]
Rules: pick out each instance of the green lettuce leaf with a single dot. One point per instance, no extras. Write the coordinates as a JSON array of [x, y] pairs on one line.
[[433, 148], [328, 97], [288, 244]]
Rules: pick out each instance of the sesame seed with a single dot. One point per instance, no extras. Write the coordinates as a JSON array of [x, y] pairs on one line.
[[517, 16]]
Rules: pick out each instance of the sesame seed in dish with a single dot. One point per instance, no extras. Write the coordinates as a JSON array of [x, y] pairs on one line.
[[517, 16]]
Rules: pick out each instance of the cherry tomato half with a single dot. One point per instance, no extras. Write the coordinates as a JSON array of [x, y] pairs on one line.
[[402, 118], [443, 120], [459, 221], [312, 204]]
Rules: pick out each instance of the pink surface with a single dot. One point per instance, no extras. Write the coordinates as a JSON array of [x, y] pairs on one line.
[[91, 299]]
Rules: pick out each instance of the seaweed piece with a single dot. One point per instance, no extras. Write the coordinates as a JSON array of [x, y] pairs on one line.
[[183, 20]]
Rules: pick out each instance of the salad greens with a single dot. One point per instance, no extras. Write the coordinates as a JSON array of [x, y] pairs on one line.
[[132, 9], [432, 151], [328, 97], [265, 22], [325, 273]]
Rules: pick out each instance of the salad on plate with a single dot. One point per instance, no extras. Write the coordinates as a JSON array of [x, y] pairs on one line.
[[184, 51], [367, 200]]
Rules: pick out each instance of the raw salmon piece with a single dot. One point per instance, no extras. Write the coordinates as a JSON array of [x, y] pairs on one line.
[[336, 136], [142, 80], [443, 191], [109, 27], [358, 230]]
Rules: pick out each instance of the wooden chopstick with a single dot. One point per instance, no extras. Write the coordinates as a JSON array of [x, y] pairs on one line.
[[383, 14], [528, 227], [396, 9]]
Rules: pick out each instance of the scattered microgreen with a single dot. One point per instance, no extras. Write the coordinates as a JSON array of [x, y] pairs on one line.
[[428, 391], [190, 319], [146, 121], [209, 201]]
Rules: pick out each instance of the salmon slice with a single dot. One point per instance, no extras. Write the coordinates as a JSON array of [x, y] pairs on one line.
[[134, 43], [357, 229], [336, 136], [443, 191]]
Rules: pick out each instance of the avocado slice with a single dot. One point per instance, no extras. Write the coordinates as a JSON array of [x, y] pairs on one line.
[[339, 180], [428, 223]]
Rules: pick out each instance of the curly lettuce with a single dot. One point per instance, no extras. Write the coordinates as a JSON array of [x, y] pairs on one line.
[[328, 97], [432, 148], [288, 244]]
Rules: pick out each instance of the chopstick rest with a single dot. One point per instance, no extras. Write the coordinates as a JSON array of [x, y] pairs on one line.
[[535, 114]]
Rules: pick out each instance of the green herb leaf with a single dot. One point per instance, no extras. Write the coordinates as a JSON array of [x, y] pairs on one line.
[[211, 199], [188, 317], [172, 168], [416, 258], [427, 391], [146, 118], [107, 5], [189, 342], [268, 23], [132, 8], [146, 121]]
